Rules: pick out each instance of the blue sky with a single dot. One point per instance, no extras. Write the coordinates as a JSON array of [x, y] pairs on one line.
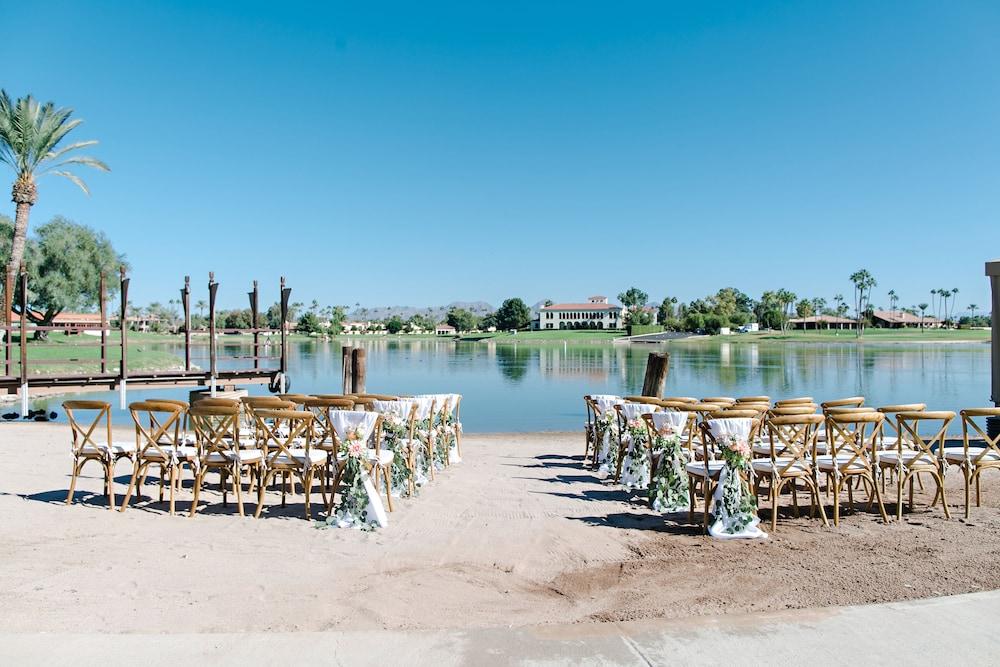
[[419, 153]]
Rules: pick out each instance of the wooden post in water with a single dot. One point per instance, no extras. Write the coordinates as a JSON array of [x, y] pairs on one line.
[[286, 294], [213, 287], [104, 327], [123, 325], [656, 374], [186, 305], [253, 325], [347, 364], [993, 273], [358, 371]]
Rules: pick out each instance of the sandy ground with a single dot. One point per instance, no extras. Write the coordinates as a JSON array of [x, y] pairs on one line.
[[518, 534]]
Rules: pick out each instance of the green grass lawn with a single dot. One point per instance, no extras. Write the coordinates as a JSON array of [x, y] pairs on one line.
[[871, 335], [80, 354], [553, 335]]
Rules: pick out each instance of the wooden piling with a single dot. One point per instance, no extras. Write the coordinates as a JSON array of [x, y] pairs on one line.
[[186, 305], [213, 287], [123, 325], [656, 374], [347, 362], [358, 370], [104, 326]]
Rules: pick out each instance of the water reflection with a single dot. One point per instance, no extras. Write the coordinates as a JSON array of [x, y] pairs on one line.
[[528, 387]]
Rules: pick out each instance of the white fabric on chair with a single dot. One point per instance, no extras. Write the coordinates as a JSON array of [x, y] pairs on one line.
[[602, 406], [723, 429], [345, 421], [117, 447], [675, 420]]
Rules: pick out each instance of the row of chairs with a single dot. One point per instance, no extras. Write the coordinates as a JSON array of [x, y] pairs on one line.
[[292, 436], [796, 441]]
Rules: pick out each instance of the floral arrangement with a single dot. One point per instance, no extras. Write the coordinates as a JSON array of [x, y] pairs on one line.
[[635, 474], [606, 438], [737, 507], [669, 489], [394, 432]]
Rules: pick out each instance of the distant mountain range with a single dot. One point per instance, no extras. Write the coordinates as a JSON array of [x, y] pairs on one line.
[[436, 312]]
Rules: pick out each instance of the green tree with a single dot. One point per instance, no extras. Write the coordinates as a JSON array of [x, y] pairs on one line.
[[235, 319], [513, 314], [666, 310], [64, 263], [309, 323], [394, 324], [863, 284], [804, 308], [634, 300], [336, 316], [421, 321], [489, 320], [31, 136], [923, 312], [462, 319]]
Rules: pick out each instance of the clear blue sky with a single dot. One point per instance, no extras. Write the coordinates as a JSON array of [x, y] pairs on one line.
[[418, 153]]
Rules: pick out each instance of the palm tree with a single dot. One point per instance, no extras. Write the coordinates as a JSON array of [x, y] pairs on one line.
[[201, 306], [933, 294], [954, 292], [923, 309], [972, 312], [863, 284], [30, 137], [893, 300]]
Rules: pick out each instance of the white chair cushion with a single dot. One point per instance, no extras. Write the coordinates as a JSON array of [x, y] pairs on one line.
[[698, 469], [117, 447], [316, 457], [957, 454], [839, 462], [383, 457], [246, 456], [183, 452], [909, 458], [769, 467]]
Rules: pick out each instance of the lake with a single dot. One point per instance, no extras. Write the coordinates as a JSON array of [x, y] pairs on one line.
[[539, 387]]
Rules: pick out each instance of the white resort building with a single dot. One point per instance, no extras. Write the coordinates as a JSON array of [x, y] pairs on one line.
[[596, 313]]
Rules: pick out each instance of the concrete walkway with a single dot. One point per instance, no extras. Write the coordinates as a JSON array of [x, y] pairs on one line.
[[941, 631]]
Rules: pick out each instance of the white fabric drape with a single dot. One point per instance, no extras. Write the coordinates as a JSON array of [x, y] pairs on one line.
[[348, 421], [635, 464], [605, 408], [720, 528]]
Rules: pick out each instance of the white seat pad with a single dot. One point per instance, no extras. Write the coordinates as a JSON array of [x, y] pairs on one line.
[[383, 457], [957, 454], [246, 456], [840, 461], [698, 469], [117, 447], [183, 452], [909, 458], [769, 467], [299, 456]]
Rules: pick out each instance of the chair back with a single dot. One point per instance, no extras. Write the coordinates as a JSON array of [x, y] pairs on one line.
[[849, 402], [362, 403], [157, 427], [379, 397], [85, 421], [350, 427], [795, 409], [754, 399], [925, 431], [651, 400], [971, 418], [890, 432], [720, 400], [794, 401], [679, 399], [666, 423], [216, 428], [280, 430], [792, 440], [297, 399], [715, 430], [321, 409], [853, 437]]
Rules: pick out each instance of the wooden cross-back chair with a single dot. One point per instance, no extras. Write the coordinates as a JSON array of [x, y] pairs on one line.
[[848, 402], [651, 400], [217, 433], [183, 405], [918, 453], [852, 441], [791, 458], [297, 399], [406, 409], [754, 399], [90, 428], [719, 400], [285, 436], [377, 462], [156, 438], [975, 459], [706, 471], [799, 400], [363, 403], [378, 397], [251, 404], [323, 435], [622, 415]]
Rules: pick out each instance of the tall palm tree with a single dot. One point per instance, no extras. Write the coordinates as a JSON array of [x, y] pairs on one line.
[[201, 306], [30, 138], [954, 293], [893, 300], [863, 284], [972, 311], [923, 309]]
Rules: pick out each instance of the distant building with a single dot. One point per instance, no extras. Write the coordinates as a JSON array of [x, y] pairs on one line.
[[596, 313], [822, 322], [364, 327], [445, 330], [896, 319]]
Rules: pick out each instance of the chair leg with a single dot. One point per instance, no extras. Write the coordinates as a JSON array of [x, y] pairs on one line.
[[899, 495], [306, 488], [836, 500], [776, 485], [795, 500], [173, 485], [109, 471], [968, 483], [72, 481], [814, 489], [388, 487], [265, 480], [708, 495], [978, 476], [237, 489], [197, 491], [944, 501], [132, 484]]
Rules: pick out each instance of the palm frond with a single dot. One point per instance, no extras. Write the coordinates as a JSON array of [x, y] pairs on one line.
[[81, 159], [56, 154], [73, 177]]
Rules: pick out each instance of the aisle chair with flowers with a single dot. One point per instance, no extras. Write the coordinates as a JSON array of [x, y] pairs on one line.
[[791, 459], [156, 440], [93, 442], [398, 423], [322, 439], [976, 459], [726, 477], [605, 431], [360, 505], [668, 436], [633, 449], [217, 437]]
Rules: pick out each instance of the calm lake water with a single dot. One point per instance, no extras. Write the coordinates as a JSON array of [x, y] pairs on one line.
[[539, 387]]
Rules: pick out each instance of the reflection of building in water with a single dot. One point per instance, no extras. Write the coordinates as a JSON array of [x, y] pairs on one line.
[[594, 363]]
